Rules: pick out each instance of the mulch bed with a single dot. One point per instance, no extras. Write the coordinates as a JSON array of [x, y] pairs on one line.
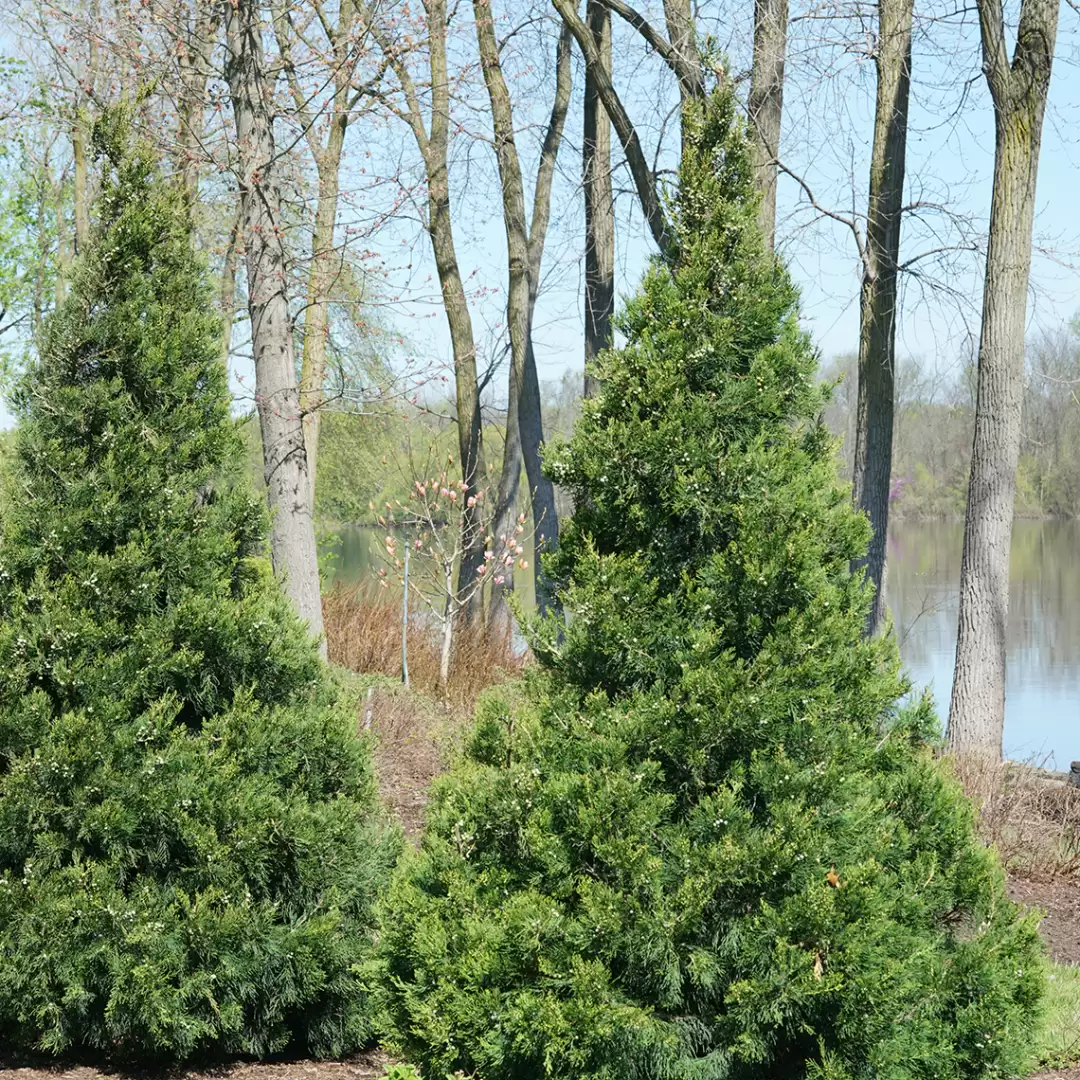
[[1059, 898], [367, 1066]]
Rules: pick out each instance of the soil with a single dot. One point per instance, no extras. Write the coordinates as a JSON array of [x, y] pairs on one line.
[[1059, 898], [362, 1067]]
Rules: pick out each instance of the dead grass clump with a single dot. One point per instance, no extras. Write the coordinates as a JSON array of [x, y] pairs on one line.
[[364, 635], [1030, 814]]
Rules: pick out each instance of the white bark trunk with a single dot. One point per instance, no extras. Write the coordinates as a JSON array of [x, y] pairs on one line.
[[285, 468], [1019, 89]]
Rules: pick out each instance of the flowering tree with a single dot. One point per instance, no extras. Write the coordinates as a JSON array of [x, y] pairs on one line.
[[438, 522]]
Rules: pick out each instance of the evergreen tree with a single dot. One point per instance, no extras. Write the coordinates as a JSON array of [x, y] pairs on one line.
[[190, 842], [706, 841]]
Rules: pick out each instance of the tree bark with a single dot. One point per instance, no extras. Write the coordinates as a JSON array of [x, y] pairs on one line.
[[525, 253], [502, 521], [643, 176], [80, 180], [194, 63], [285, 468], [325, 268], [434, 147], [765, 106], [228, 283], [881, 256], [599, 204], [1019, 89], [683, 38]]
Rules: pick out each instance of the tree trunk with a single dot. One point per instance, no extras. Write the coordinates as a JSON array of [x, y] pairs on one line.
[[877, 331], [285, 469], [435, 148], [63, 247], [599, 205], [524, 267], [470, 434], [193, 59], [1018, 89], [765, 106], [228, 284], [323, 273], [80, 181], [683, 38], [449, 615], [326, 266], [502, 522]]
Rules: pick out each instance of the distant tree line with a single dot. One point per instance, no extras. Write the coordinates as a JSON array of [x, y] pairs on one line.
[[934, 413]]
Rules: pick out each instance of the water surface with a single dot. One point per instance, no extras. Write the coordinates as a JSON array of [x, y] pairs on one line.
[[1042, 690]]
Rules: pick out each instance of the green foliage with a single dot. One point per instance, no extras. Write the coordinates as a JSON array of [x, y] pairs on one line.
[[705, 842], [402, 1072], [190, 844]]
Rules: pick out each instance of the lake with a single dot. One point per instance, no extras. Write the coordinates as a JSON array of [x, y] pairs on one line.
[[1042, 709], [1042, 693]]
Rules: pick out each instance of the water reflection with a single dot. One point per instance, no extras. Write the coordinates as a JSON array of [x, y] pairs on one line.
[[1042, 706]]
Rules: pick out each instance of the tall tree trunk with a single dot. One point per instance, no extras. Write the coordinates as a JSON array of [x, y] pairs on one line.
[[599, 204], [502, 521], [228, 283], [80, 179], [326, 265], [682, 36], [285, 468], [193, 59], [524, 256], [877, 331], [766, 103], [322, 275], [1019, 89], [434, 147], [63, 245]]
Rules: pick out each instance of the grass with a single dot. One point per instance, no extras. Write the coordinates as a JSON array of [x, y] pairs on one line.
[[1059, 1043]]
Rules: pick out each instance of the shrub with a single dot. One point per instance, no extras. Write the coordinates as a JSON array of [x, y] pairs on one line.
[[190, 842], [705, 841]]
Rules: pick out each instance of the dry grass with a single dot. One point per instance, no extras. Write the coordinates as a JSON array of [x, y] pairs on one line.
[[1031, 815], [415, 732], [364, 636]]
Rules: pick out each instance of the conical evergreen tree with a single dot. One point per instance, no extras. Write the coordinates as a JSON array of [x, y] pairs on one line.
[[190, 843], [706, 841]]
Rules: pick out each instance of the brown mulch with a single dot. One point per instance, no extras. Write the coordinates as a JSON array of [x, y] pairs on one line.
[[368, 1066], [1059, 898]]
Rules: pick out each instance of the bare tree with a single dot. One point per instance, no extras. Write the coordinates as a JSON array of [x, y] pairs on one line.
[[599, 201], [765, 105], [880, 271], [285, 465], [334, 59], [433, 141], [1018, 88], [525, 248], [603, 108]]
